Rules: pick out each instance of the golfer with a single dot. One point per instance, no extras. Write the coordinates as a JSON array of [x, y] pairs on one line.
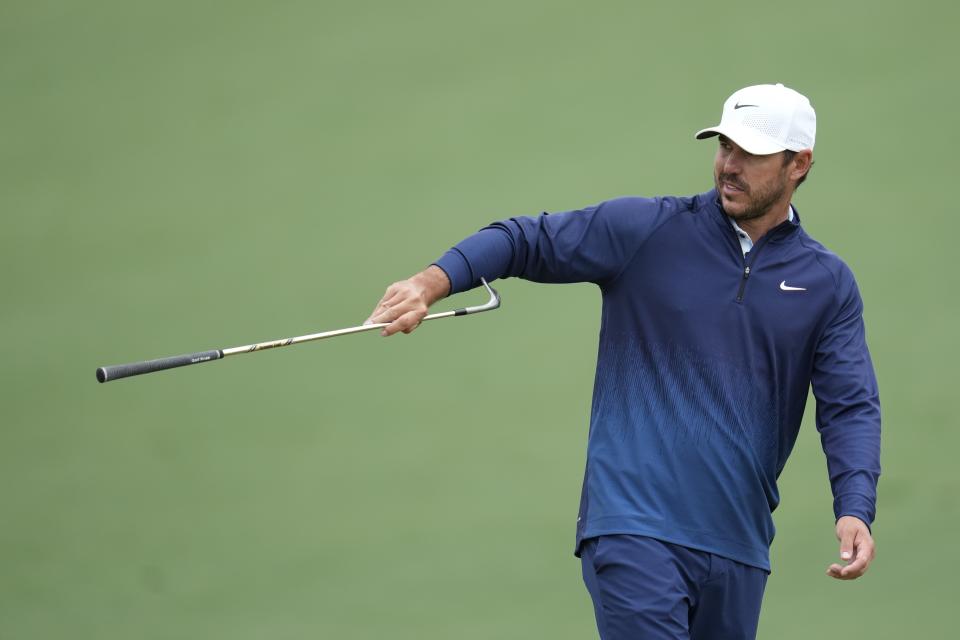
[[719, 313]]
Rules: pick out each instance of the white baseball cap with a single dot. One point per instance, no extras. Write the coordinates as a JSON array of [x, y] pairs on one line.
[[765, 119]]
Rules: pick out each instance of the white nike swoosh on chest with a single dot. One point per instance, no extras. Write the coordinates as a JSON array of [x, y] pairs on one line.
[[785, 287]]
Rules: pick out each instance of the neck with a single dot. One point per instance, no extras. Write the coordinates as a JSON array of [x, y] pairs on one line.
[[758, 227]]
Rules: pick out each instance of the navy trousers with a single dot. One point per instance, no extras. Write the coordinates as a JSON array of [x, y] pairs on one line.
[[646, 589]]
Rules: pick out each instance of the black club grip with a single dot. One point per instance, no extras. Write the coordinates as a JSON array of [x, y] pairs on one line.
[[116, 371]]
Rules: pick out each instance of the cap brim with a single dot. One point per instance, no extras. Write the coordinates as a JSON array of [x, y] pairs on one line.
[[749, 140]]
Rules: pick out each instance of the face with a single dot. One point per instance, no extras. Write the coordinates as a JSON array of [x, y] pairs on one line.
[[749, 185]]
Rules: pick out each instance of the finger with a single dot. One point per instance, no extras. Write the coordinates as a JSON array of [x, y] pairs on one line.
[[377, 314], [855, 569], [835, 571], [406, 323], [864, 556], [847, 537], [389, 299], [377, 311], [393, 310], [389, 311], [410, 330], [391, 295], [385, 316]]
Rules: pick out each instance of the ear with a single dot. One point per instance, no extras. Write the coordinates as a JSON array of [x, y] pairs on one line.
[[801, 164]]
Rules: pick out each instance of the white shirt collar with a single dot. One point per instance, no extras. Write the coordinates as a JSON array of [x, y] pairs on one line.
[[745, 242]]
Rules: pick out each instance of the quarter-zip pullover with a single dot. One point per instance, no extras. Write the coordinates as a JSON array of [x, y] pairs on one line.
[[704, 364]]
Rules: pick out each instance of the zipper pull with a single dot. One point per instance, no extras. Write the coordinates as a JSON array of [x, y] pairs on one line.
[[743, 282]]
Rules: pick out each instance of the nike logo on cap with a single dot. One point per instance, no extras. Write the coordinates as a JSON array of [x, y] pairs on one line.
[[741, 106], [785, 287]]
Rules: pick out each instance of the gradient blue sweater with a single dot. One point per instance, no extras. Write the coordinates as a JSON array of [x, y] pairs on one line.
[[704, 365]]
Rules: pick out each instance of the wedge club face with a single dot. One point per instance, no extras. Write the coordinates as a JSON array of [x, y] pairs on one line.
[[491, 304]]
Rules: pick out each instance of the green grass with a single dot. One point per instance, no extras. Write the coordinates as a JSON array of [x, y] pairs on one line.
[[180, 176]]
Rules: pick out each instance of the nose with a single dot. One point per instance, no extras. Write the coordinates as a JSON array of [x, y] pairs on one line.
[[732, 162]]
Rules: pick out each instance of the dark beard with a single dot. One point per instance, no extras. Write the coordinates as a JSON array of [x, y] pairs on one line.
[[759, 204]]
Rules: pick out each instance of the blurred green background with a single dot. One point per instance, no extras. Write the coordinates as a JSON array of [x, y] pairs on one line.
[[178, 176]]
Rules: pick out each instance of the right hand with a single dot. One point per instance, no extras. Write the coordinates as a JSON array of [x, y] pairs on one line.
[[406, 302]]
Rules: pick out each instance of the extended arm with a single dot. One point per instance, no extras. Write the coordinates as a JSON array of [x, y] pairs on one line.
[[587, 245]]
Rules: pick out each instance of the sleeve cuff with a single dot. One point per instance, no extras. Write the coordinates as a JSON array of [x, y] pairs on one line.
[[458, 270], [855, 505]]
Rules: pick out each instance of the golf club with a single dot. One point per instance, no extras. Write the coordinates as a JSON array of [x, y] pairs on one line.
[[117, 371]]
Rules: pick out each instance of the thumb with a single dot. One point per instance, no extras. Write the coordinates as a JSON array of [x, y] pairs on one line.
[[847, 537]]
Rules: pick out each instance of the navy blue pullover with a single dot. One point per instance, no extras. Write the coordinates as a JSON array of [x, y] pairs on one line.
[[704, 365]]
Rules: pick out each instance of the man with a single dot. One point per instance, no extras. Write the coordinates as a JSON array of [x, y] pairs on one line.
[[719, 313]]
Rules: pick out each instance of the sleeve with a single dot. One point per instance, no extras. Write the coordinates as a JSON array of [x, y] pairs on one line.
[[593, 244], [848, 408]]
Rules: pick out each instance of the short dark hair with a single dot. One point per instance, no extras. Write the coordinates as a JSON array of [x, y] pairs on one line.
[[787, 157]]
